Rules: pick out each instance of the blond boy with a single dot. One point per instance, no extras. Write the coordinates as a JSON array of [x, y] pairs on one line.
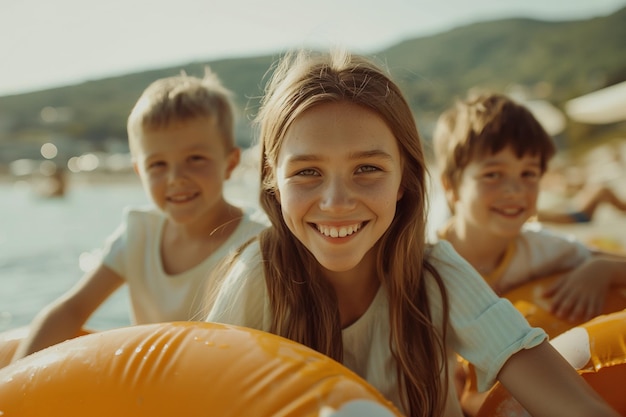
[[181, 137]]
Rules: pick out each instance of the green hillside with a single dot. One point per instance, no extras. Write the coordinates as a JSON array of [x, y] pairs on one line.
[[565, 59], [573, 57]]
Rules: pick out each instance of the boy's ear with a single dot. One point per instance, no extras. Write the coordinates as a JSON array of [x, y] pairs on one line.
[[449, 191], [233, 159]]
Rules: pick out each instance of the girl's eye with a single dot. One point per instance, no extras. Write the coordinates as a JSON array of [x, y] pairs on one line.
[[307, 172], [368, 168], [530, 174]]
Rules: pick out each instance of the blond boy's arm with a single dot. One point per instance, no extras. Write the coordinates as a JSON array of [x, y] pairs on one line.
[[547, 385], [64, 317]]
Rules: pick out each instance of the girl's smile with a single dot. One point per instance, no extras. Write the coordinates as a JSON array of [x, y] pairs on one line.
[[338, 231]]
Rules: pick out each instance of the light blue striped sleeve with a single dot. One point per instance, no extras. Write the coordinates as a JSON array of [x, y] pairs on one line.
[[483, 328]]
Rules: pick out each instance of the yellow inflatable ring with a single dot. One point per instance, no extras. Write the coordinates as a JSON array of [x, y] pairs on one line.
[[597, 349], [183, 369]]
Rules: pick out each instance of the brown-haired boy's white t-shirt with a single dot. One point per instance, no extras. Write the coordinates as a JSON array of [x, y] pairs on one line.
[[537, 253]]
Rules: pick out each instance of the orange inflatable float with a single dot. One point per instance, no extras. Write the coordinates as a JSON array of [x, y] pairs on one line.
[[597, 349], [10, 339], [8, 343], [528, 299], [184, 369]]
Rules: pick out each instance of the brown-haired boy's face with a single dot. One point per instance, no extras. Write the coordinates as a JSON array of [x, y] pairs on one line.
[[497, 193], [183, 167]]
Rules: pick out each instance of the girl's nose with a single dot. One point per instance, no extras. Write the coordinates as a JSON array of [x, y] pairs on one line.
[[337, 195]]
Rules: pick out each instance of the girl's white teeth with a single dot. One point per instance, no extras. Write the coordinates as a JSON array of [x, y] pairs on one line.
[[338, 231]]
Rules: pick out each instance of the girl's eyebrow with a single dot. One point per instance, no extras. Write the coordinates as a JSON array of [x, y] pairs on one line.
[[375, 153]]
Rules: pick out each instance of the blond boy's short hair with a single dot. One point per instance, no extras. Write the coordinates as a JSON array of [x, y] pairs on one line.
[[180, 98], [485, 124]]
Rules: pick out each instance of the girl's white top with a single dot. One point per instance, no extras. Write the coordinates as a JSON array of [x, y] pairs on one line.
[[483, 328]]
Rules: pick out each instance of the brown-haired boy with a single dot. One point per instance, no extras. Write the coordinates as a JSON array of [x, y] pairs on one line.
[[491, 153]]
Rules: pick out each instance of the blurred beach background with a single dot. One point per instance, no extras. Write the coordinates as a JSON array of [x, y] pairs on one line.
[[71, 71]]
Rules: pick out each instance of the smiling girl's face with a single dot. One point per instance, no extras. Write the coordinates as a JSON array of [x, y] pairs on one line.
[[338, 175]]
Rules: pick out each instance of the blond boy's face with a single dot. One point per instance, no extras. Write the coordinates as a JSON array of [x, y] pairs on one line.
[[497, 194], [183, 168]]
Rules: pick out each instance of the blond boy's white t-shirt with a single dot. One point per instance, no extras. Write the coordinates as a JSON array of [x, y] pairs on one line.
[[483, 328], [133, 251]]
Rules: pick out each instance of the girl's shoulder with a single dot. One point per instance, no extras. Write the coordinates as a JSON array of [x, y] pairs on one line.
[[445, 258], [250, 252], [440, 250], [248, 227], [246, 264], [241, 296]]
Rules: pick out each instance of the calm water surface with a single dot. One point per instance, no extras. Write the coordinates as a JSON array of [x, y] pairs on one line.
[[44, 242]]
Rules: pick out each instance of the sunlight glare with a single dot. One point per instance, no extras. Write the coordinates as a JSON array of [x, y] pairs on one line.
[[49, 150], [87, 261]]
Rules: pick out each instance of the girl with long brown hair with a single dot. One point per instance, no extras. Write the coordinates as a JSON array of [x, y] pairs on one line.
[[344, 267]]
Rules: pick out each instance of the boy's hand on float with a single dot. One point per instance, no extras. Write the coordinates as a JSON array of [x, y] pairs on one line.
[[581, 293]]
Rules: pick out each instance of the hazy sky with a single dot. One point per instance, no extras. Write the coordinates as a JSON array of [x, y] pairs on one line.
[[47, 43]]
